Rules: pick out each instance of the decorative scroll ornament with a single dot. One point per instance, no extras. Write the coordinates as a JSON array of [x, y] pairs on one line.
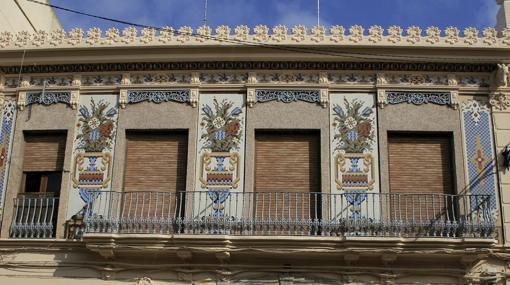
[[416, 97], [499, 101], [44, 98], [287, 96], [144, 281], [157, 96]]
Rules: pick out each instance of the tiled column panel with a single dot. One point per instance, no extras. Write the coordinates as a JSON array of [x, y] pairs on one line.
[[220, 152], [93, 150], [6, 134], [354, 155], [479, 156]]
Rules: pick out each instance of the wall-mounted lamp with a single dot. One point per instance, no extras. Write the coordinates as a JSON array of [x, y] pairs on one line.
[[506, 157]]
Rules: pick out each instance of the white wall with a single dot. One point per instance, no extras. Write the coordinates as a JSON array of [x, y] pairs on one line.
[[21, 15]]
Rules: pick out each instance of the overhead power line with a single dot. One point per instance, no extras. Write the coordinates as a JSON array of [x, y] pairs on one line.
[[307, 50]]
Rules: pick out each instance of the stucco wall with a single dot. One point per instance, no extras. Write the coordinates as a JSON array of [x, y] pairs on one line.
[[423, 118], [297, 116], [151, 116], [39, 118]]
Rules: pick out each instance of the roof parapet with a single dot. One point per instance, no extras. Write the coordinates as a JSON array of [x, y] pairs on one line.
[[260, 34]]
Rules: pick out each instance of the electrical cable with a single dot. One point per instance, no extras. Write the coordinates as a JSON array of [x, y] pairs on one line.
[[357, 55]]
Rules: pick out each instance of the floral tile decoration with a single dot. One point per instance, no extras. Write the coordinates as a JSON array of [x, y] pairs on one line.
[[96, 128], [221, 148]]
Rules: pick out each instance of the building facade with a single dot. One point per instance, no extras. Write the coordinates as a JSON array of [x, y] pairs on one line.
[[18, 16], [266, 155]]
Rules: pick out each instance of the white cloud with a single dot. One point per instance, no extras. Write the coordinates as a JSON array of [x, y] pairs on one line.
[[291, 14]]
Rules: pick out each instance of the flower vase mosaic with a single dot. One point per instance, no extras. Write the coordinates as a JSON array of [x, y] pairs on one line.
[[354, 147], [93, 151], [221, 139]]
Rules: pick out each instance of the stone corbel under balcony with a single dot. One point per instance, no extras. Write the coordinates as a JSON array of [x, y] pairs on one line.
[[347, 251]]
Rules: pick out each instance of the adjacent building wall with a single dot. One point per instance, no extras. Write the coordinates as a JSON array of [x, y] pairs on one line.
[[17, 15]]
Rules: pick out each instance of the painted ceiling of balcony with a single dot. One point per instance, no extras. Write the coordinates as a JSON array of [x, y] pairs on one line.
[[176, 13]]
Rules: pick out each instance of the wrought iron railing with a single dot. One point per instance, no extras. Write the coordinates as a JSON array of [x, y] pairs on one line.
[[290, 214], [34, 217]]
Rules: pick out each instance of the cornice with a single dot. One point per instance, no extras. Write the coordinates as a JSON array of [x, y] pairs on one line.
[[251, 65], [240, 35]]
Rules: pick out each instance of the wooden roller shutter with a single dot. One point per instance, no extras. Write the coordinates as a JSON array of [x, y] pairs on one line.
[[44, 152], [155, 171], [420, 168], [287, 172]]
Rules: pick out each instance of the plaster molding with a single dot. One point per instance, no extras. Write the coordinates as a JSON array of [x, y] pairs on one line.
[[499, 101], [277, 66], [324, 98], [144, 281], [123, 98], [280, 35], [193, 100], [21, 100], [126, 79], [250, 97], [75, 99]]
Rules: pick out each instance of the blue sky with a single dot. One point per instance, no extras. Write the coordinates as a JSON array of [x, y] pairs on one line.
[[176, 13]]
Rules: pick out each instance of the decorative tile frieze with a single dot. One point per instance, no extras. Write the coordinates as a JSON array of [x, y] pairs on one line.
[[223, 78], [352, 78], [158, 96], [417, 79], [51, 81], [47, 98], [101, 80], [416, 97], [287, 96], [474, 81], [160, 78], [294, 78]]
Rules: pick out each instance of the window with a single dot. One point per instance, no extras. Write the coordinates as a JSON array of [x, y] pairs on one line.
[[43, 163], [421, 175], [155, 175], [287, 172]]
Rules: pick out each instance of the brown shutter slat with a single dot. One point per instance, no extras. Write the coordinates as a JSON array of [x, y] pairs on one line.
[[155, 163], [287, 162], [44, 152], [420, 164]]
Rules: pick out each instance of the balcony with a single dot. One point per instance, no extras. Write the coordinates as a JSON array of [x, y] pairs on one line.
[[34, 216], [290, 214]]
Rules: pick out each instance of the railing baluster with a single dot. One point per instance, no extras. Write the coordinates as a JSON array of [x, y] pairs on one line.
[[267, 213]]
